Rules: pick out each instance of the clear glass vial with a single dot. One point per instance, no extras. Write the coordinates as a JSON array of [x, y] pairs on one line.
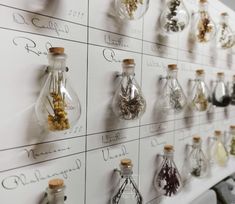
[[233, 92], [175, 17], [167, 180], [198, 163], [128, 101], [232, 135], [58, 107], [131, 9], [127, 191], [205, 28], [221, 97], [225, 37]]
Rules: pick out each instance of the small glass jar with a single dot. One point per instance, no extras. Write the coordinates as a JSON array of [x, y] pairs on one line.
[[56, 191]]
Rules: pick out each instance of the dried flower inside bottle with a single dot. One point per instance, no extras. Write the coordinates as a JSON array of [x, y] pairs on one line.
[[232, 134]]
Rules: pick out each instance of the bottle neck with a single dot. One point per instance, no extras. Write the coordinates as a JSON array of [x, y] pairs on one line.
[[126, 171], [203, 7], [224, 20], [168, 155], [197, 145], [172, 74], [220, 78], [128, 70], [57, 62], [200, 77], [56, 195]]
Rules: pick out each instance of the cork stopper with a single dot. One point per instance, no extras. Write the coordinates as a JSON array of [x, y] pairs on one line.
[[196, 139], [56, 50], [224, 14], [56, 183], [220, 74], [168, 148], [172, 66], [128, 61], [202, 1], [126, 162], [200, 71], [218, 133], [232, 127]]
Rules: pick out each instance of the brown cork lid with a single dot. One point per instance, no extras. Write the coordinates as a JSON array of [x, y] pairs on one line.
[[56, 50], [218, 133], [197, 139], [128, 61], [172, 66], [56, 183], [200, 71], [224, 14], [232, 127], [220, 73], [168, 148], [126, 162], [203, 1]]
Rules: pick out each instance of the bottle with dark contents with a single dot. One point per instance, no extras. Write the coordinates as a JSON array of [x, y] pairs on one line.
[[233, 92], [221, 97]]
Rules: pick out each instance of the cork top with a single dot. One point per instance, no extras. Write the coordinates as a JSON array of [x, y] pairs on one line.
[[126, 162], [200, 71], [196, 139], [128, 61], [172, 66], [168, 148], [56, 50], [203, 1], [56, 183], [220, 74], [224, 14], [232, 127], [218, 133]]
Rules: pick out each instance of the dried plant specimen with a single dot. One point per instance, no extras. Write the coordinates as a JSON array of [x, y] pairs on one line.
[[200, 101], [204, 27], [226, 40], [132, 6], [175, 99]]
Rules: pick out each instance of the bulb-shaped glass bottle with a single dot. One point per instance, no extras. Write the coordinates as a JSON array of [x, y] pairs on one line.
[[204, 27], [58, 107], [198, 163], [131, 9], [127, 191], [225, 37], [167, 180], [200, 95], [233, 92], [128, 101], [175, 17], [232, 136], [221, 97]]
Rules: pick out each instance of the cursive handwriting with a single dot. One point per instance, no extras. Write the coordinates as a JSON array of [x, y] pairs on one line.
[[152, 63], [119, 42], [13, 182], [32, 153], [109, 154], [110, 55], [30, 46], [113, 137]]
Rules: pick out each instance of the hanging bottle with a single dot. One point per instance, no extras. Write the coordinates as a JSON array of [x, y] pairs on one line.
[[219, 153], [197, 161], [127, 191], [167, 180], [232, 135], [131, 9], [221, 96], [57, 107], [225, 37], [172, 97], [200, 95], [205, 28], [55, 192], [175, 17], [128, 101], [233, 92]]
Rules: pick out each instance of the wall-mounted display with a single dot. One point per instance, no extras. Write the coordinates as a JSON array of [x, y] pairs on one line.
[[221, 97], [225, 37], [232, 136], [131, 9], [200, 95], [167, 180], [127, 190], [58, 107], [175, 17], [128, 101]]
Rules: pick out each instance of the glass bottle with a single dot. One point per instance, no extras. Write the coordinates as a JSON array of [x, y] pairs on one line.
[[175, 17], [172, 97], [197, 161], [131, 9], [58, 107], [232, 134], [205, 28], [167, 180], [225, 38], [233, 92], [219, 154], [127, 191], [220, 97], [200, 95], [55, 192], [128, 101]]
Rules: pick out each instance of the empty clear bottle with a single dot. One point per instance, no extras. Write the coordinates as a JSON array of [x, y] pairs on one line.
[[58, 107], [205, 28], [232, 135], [127, 191], [225, 37], [233, 92], [198, 163], [175, 17], [128, 101], [172, 97], [221, 97], [200, 95], [167, 180], [131, 9]]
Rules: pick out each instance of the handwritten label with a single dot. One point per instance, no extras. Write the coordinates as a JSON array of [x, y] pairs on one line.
[[114, 153], [75, 130], [154, 142], [112, 137], [110, 55], [76, 14], [115, 41], [153, 63]]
